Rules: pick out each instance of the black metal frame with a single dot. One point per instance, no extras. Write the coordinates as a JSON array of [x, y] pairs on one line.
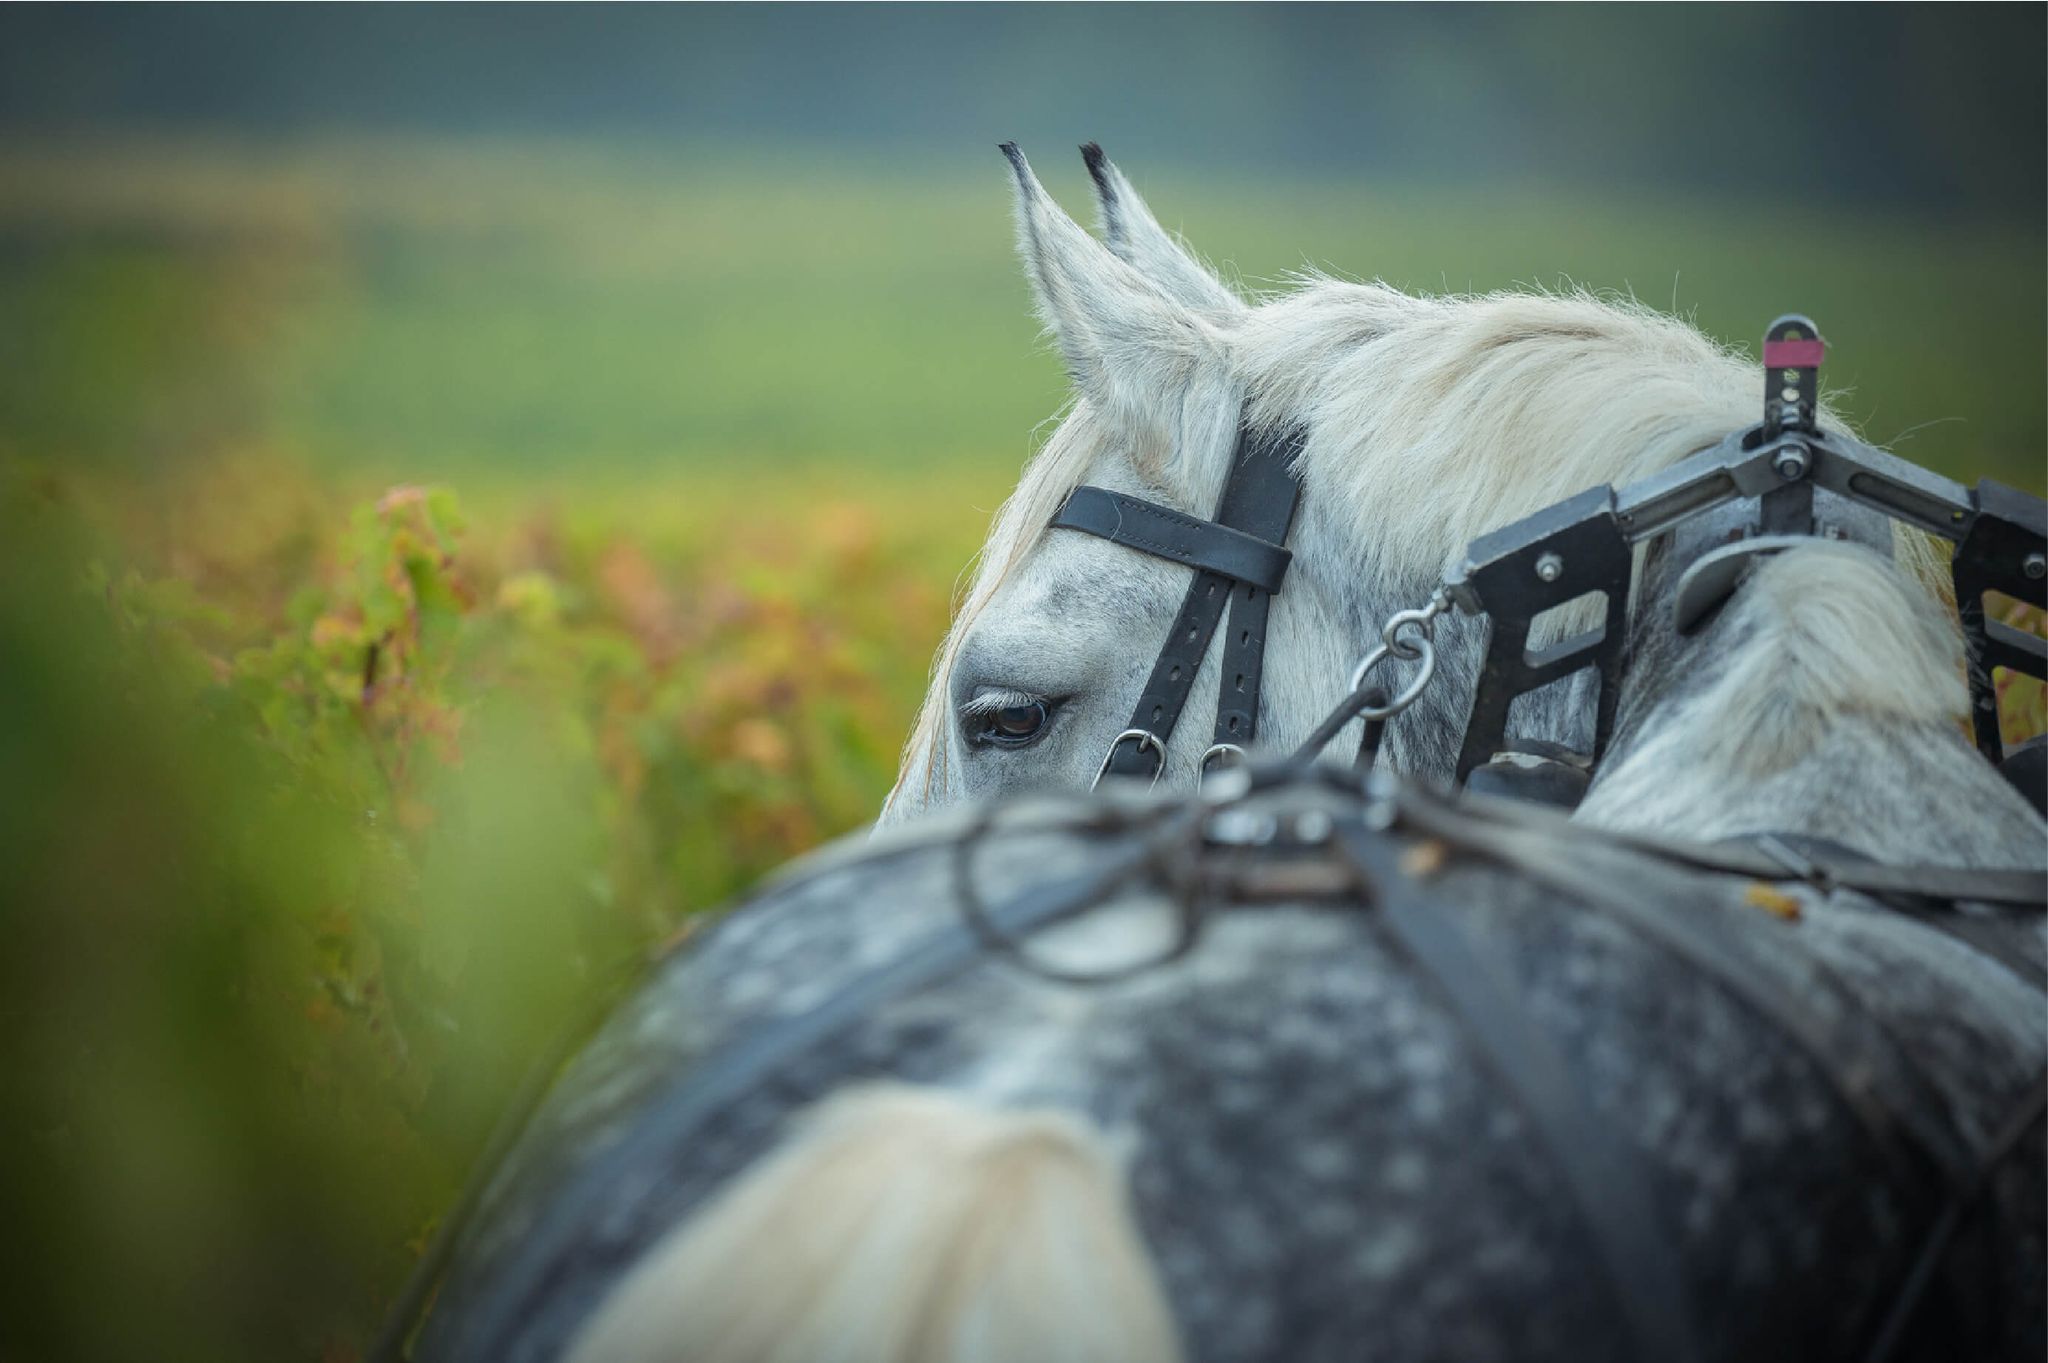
[[1586, 544], [2001, 551], [1514, 575]]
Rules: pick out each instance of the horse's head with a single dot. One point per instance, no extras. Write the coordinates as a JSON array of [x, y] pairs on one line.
[[1422, 422], [1059, 630]]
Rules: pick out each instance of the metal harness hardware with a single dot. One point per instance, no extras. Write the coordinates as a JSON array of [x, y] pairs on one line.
[[1586, 545]]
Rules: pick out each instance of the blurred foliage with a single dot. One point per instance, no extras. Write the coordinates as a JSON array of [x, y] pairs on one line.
[[318, 825], [326, 800], [2022, 701]]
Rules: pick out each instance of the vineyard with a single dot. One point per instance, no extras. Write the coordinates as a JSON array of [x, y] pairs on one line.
[[429, 582]]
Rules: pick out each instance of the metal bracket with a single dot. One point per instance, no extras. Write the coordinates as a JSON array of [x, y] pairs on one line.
[[2005, 549], [1518, 572], [1793, 351], [1584, 545], [1713, 577]]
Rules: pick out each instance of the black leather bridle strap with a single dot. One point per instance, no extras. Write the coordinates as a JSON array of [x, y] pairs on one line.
[[1602, 1175], [1260, 497], [2018, 889], [1214, 546], [1173, 677], [1240, 561]]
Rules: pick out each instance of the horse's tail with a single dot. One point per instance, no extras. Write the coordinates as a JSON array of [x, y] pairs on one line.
[[902, 1225]]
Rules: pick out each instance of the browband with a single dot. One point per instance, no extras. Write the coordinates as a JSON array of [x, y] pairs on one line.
[[1165, 533]]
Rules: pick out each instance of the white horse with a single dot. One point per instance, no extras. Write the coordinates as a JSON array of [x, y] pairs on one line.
[[1253, 1152], [1428, 421], [1075, 1174]]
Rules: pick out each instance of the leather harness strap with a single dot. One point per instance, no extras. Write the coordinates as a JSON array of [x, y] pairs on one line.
[[1160, 530], [1239, 560], [1604, 1177], [1782, 857], [1761, 860]]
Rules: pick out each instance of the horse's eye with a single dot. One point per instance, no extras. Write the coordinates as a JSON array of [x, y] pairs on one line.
[[1012, 726]]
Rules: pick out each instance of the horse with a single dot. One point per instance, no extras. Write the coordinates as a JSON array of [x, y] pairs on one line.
[[871, 1117], [1432, 1080], [1419, 423]]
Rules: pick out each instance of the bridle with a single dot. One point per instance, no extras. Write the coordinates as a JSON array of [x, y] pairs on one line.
[[1239, 559], [1755, 490]]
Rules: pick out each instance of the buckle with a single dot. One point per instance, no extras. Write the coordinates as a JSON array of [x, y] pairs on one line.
[[1217, 751], [1146, 738]]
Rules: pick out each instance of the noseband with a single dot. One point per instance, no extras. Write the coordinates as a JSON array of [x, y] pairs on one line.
[[1239, 558]]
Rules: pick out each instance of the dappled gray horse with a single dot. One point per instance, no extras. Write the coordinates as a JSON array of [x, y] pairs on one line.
[[1312, 1069]]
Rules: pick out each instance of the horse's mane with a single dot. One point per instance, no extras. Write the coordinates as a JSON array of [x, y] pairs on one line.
[[1429, 421], [1433, 420], [1838, 631]]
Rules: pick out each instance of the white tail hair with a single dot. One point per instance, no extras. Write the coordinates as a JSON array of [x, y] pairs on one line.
[[902, 1225]]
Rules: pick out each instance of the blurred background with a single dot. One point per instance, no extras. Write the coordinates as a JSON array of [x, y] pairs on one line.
[[481, 485]]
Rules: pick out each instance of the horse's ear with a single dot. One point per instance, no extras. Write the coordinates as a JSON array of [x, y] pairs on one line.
[[1133, 352], [1137, 238]]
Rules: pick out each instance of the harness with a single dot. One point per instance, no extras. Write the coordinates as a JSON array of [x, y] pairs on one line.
[[1770, 486], [1782, 464], [1223, 848], [1364, 841]]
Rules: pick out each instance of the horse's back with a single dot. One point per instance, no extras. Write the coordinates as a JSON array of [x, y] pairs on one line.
[[1397, 1090]]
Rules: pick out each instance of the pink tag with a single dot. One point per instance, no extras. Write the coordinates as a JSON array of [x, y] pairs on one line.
[[1794, 354]]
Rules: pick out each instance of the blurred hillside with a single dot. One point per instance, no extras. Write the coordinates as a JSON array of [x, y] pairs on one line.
[[1933, 108], [554, 238]]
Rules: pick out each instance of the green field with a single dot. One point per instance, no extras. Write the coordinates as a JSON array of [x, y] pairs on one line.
[[430, 311], [431, 574]]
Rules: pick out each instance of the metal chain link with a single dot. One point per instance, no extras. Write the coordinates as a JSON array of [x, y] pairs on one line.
[[1419, 648]]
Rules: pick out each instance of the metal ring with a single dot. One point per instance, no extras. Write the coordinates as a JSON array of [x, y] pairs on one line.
[[1422, 619], [1425, 650], [1145, 737]]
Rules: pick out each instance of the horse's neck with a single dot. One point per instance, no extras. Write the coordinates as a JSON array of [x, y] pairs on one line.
[[1906, 795], [1729, 734]]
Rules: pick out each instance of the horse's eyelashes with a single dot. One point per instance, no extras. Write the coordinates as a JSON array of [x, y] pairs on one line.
[[1006, 719]]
